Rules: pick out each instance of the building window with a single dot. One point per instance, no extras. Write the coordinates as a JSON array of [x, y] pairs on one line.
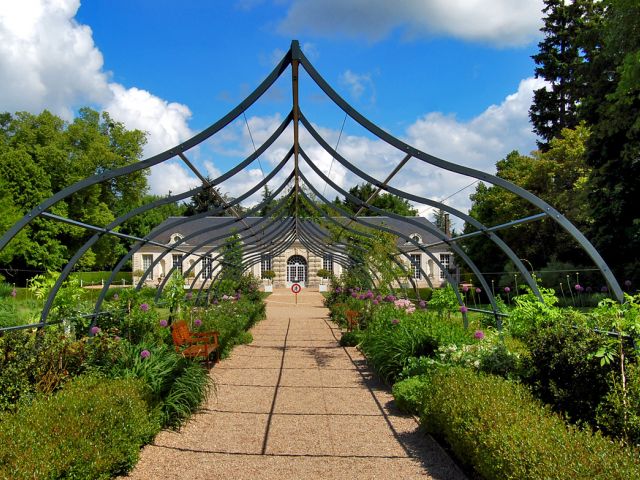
[[445, 260], [177, 262], [416, 238], [207, 267], [265, 264], [147, 260], [327, 262], [416, 261]]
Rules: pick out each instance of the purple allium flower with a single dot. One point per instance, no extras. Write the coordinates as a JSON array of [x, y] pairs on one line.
[[422, 304], [578, 288], [604, 289], [116, 297], [464, 309], [379, 298], [369, 294], [215, 301], [627, 283], [338, 290], [145, 354], [465, 289], [479, 335], [395, 321], [95, 330], [189, 295], [14, 292], [375, 301], [354, 295], [144, 307], [507, 289], [163, 323], [197, 322], [478, 290]]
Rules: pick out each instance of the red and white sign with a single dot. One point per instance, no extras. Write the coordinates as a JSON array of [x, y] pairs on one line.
[[296, 288]]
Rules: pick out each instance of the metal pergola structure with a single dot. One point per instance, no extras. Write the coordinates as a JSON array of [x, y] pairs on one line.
[[289, 221]]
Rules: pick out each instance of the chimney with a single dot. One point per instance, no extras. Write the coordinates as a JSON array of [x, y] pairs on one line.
[[447, 225]]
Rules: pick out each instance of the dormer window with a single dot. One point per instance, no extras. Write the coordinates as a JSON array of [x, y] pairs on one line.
[[176, 237], [416, 238]]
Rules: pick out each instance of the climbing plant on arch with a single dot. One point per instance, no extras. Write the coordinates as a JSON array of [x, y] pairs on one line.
[[293, 216]]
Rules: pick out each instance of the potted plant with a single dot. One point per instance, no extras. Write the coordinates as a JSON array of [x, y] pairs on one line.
[[323, 274], [268, 276]]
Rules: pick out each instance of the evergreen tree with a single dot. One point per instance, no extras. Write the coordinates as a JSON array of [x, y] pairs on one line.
[[559, 61], [209, 199], [232, 259]]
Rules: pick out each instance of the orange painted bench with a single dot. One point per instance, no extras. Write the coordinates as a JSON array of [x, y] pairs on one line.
[[195, 344]]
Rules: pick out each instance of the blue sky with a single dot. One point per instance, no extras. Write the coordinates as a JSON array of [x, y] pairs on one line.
[[453, 78]]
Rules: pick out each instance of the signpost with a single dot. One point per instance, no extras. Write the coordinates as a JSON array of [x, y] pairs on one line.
[[295, 288]]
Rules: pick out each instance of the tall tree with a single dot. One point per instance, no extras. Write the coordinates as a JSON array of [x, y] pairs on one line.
[[41, 154], [210, 199], [614, 147], [562, 53], [558, 176]]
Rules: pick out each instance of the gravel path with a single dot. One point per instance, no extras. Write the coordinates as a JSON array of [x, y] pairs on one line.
[[294, 404]]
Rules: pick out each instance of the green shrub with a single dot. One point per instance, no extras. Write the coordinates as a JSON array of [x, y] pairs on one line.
[[565, 372], [408, 393], [177, 385], [349, 339], [529, 313], [619, 412], [499, 429], [394, 336], [93, 428]]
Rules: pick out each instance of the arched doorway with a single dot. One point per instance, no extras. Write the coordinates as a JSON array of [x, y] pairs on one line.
[[296, 270]]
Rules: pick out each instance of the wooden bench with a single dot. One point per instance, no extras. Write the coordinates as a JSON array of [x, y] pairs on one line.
[[195, 344]]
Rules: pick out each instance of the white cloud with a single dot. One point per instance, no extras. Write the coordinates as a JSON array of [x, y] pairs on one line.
[[497, 22], [165, 122], [359, 84], [49, 61], [477, 143], [171, 177]]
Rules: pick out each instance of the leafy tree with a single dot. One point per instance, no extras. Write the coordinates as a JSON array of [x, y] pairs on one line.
[[41, 154], [232, 259], [614, 147], [384, 201], [267, 205], [558, 176]]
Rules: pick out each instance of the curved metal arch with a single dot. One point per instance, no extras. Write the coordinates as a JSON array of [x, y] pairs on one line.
[[210, 239], [268, 237], [171, 199], [214, 284], [347, 228], [156, 159], [433, 230], [416, 198], [279, 229], [393, 232], [399, 264], [554, 214], [307, 241], [138, 245]]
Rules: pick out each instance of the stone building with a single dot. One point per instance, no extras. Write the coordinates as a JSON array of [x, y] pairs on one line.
[[198, 257]]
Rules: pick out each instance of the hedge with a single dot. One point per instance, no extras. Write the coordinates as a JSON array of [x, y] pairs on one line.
[[92, 428], [498, 428]]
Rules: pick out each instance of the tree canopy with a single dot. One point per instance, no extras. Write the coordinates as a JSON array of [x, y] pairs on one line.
[[384, 201]]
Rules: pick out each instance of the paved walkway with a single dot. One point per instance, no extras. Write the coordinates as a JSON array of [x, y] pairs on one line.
[[294, 404]]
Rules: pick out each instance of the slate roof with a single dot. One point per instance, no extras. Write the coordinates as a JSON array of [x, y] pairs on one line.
[[215, 230]]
